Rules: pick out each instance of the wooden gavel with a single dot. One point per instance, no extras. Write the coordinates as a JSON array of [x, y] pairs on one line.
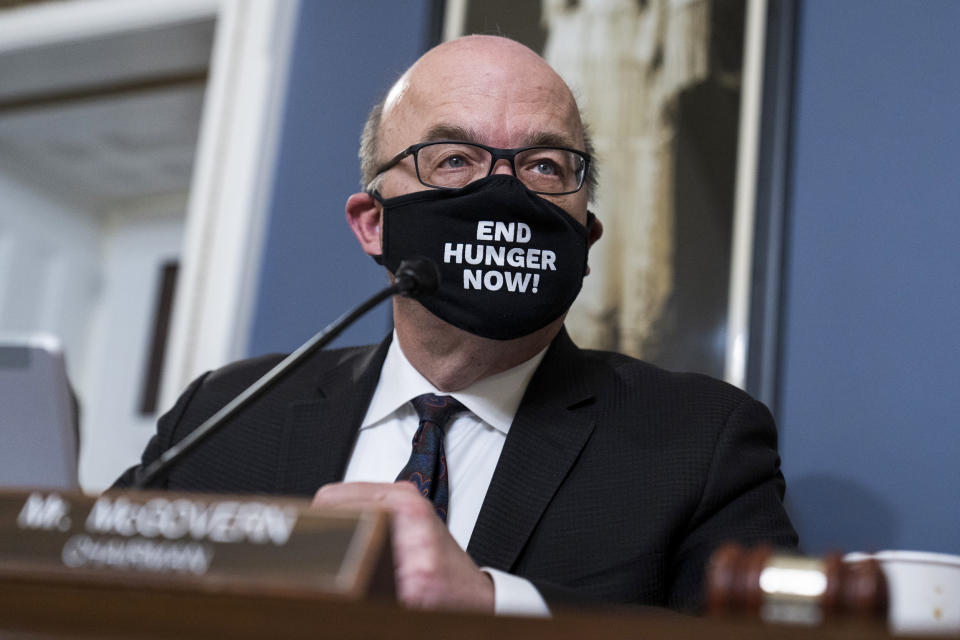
[[792, 588]]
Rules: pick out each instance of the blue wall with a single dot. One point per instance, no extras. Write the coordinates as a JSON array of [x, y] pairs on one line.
[[870, 390], [346, 55]]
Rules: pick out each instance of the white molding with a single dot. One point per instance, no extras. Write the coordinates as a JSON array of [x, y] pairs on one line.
[[745, 198], [234, 162], [454, 19], [48, 23], [232, 180]]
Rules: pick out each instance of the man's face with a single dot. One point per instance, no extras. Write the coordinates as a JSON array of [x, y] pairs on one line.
[[491, 91]]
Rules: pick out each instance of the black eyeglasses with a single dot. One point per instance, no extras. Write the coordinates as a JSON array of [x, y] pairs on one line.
[[446, 164]]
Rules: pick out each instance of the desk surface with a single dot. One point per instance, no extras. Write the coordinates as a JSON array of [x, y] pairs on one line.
[[35, 608]]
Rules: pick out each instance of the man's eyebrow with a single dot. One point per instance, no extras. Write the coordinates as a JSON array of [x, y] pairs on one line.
[[548, 139], [461, 134], [450, 132]]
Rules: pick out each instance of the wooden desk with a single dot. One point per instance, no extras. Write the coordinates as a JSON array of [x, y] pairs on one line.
[[328, 575], [35, 608]]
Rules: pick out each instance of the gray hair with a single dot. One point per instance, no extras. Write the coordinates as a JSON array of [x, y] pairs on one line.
[[370, 152], [370, 147]]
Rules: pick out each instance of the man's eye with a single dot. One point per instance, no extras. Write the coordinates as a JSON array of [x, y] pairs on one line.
[[454, 162], [547, 168]]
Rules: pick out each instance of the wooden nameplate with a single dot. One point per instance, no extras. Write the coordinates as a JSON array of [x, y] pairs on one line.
[[209, 543]]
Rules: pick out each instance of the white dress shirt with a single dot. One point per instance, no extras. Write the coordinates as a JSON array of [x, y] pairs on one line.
[[474, 440]]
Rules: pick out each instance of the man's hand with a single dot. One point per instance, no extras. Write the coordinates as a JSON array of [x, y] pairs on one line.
[[431, 569]]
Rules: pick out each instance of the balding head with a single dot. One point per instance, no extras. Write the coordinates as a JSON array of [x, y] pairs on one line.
[[484, 89]]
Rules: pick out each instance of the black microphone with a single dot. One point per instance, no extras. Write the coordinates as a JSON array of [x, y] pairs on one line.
[[415, 278]]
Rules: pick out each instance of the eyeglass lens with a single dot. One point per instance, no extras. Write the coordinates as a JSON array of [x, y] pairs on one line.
[[454, 165]]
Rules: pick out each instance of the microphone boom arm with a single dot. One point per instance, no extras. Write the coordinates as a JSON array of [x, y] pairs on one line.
[[411, 279]]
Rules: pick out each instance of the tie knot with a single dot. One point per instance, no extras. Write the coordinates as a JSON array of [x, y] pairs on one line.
[[436, 409]]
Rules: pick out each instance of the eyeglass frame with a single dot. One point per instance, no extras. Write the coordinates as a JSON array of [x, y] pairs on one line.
[[496, 154]]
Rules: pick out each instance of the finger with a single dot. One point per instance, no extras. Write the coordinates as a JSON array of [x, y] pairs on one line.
[[351, 502], [366, 494]]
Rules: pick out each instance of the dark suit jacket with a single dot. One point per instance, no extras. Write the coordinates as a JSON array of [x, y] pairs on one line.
[[616, 482]]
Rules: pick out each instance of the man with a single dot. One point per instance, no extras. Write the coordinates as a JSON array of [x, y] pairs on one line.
[[573, 476]]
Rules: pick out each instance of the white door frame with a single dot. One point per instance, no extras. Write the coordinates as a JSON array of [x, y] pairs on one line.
[[745, 195], [234, 163]]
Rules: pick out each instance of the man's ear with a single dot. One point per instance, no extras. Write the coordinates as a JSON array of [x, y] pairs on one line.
[[364, 217], [594, 231]]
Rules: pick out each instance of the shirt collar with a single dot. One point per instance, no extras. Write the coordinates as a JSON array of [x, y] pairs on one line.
[[494, 399]]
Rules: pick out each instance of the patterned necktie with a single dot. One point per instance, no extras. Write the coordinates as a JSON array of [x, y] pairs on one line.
[[427, 466]]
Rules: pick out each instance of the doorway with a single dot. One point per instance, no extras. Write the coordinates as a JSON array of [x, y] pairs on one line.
[[119, 152]]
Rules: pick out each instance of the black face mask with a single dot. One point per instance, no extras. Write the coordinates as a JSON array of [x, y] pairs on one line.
[[510, 261]]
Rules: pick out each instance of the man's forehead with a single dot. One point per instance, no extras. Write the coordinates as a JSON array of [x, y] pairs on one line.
[[482, 89], [531, 138], [514, 117], [543, 127]]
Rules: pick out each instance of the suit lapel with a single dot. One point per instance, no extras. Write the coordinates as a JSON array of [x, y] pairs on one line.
[[319, 433], [545, 439]]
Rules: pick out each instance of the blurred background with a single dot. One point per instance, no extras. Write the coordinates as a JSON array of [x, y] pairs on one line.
[[779, 187]]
